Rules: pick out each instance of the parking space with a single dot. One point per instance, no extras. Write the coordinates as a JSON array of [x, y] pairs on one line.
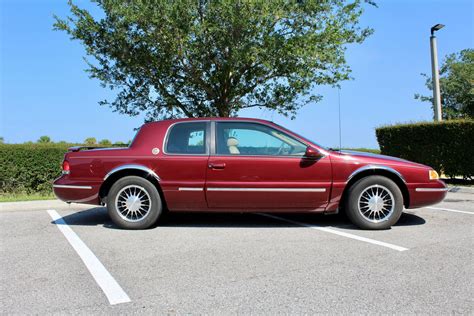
[[238, 263]]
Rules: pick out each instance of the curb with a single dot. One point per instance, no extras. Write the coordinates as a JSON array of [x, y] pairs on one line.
[[461, 189]]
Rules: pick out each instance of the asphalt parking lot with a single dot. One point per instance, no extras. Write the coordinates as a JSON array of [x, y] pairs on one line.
[[57, 258]]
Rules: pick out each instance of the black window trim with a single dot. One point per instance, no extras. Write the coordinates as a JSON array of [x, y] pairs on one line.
[[208, 138]]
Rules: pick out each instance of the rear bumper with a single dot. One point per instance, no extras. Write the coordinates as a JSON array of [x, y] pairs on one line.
[[424, 194], [73, 191]]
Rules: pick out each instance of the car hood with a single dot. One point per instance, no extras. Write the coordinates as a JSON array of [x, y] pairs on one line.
[[378, 158]]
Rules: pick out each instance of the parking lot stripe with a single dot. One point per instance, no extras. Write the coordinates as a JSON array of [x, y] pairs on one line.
[[449, 210], [336, 232], [114, 292]]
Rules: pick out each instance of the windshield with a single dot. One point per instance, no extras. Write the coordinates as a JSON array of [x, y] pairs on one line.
[[304, 138]]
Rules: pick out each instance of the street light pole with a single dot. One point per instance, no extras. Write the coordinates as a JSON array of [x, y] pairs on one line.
[[435, 73]]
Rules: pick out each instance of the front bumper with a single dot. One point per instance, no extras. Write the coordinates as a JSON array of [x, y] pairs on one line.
[[73, 191], [424, 194]]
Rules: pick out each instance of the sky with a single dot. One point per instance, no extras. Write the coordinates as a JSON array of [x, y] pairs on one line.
[[44, 89]]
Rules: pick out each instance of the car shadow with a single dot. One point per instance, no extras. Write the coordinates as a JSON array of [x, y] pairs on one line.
[[98, 216]]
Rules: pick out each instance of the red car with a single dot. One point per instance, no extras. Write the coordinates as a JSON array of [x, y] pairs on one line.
[[241, 165]]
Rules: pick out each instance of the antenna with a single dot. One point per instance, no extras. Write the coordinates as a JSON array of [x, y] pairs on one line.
[[339, 104]]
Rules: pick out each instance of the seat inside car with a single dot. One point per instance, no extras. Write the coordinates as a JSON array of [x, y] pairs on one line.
[[232, 144]]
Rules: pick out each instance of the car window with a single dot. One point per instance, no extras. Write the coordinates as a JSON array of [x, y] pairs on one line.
[[187, 138], [241, 138]]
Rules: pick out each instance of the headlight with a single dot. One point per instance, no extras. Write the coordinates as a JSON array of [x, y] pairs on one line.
[[433, 175]]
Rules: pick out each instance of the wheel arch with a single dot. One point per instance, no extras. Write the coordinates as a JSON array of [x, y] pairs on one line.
[[380, 170], [129, 170]]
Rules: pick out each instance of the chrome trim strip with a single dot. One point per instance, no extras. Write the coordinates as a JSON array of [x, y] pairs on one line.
[[65, 186], [190, 189], [268, 156], [132, 166], [375, 167], [269, 189], [431, 189]]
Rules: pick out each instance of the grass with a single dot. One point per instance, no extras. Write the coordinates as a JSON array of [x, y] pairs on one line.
[[15, 197]]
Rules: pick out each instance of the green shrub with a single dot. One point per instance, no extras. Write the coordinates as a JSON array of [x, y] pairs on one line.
[[367, 150], [30, 168], [446, 146]]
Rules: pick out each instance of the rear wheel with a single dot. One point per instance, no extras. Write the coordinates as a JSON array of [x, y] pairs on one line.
[[374, 202], [134, 203]]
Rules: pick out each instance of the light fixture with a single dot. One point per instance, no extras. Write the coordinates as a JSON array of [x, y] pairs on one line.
[[437, 27]]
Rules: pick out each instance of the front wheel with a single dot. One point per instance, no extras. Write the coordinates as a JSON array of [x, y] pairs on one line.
[[134, 203], [374, 202]]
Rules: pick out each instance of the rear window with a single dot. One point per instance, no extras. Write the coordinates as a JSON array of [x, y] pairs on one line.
[[187, 138]]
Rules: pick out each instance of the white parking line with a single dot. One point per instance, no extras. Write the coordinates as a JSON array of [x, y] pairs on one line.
[[336, 232], [115, 294], [449, 210]]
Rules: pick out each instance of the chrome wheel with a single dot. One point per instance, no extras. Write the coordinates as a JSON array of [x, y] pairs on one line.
[[133, 203], [376, 203]]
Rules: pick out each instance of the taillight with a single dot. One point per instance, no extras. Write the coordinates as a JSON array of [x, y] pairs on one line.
[[66, 167]]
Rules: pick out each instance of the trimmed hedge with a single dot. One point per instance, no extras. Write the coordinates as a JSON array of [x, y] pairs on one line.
[[30, 168], [366, 150], [446, 146]]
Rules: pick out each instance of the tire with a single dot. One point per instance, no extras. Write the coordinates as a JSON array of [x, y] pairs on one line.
[[134, 203], [374, 202]]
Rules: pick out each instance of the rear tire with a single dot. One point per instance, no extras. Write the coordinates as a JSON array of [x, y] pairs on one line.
[[374, 202], [134, 203]]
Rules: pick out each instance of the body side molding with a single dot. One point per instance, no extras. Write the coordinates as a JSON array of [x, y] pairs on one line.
[[69, 186], [431, 189]]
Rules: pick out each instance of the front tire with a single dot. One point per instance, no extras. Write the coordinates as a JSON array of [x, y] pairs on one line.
[[374, 202], [134, 203]]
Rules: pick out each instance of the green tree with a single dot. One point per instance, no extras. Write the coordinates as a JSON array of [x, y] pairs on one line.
[[456, 85], [105, 142], [214, 58], [119, 144], [90, 141], [2, 140], [44, 139]]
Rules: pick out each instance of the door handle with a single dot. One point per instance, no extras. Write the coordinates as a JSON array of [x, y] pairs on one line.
[[215, 165]]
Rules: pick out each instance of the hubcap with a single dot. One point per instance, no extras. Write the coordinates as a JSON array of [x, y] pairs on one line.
[[376, 203], [133, 203]]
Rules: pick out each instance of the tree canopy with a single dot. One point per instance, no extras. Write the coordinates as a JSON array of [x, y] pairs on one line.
[[214, 58], [44, 139], [456, 85], [105, 142], [89, 141]]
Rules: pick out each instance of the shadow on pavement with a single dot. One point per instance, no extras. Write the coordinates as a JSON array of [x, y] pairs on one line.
[[408, 219], [97, 216]]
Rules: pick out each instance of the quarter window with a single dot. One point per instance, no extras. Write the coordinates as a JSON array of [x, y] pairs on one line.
[[237, 138], [187, 138]]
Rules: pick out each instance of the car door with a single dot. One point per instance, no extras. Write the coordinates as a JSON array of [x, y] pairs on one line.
[[257, 166], [182, 167]]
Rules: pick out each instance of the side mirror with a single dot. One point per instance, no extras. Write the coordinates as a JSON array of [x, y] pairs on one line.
[[312, 153]]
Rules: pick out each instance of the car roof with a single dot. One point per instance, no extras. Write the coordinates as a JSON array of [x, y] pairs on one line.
[[171, 121]]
